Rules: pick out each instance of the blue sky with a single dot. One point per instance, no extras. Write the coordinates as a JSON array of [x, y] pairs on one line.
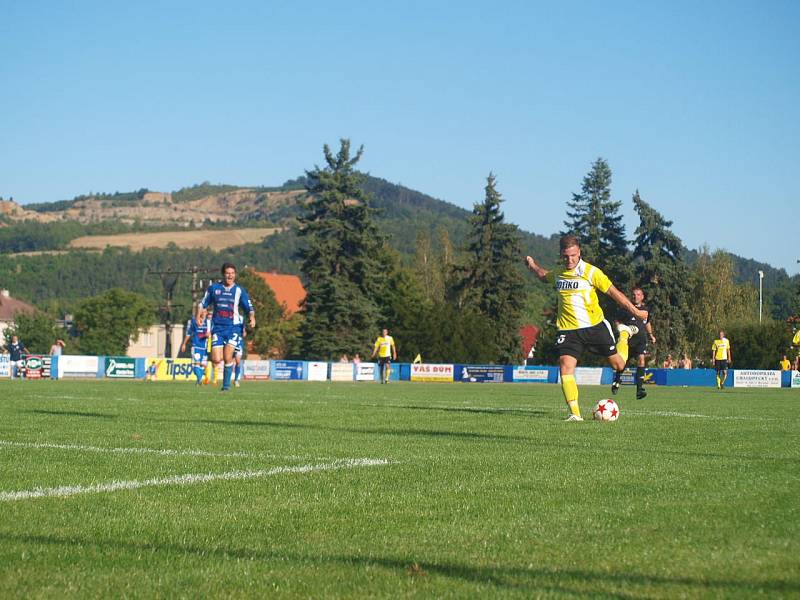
[[694, 104]]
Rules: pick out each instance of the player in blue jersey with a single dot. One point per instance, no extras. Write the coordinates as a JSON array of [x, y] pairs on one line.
[[197, 332], [227, 297]]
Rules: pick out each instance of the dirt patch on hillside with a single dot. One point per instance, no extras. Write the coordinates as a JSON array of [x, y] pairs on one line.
[[214, 239]]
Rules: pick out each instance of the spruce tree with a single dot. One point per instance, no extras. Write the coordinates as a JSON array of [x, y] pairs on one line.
[[596, 221], [660, 270], [490, 282], [341, 260]]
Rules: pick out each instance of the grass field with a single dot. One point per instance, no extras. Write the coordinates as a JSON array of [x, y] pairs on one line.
[[112, 489]]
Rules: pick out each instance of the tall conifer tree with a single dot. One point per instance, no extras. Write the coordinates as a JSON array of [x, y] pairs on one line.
[[659, 269], [341, 260], [490, 282], [596, 221]]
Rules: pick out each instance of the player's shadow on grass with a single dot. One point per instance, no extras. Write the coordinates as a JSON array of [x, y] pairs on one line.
[[532, 580], [376, 431], [71, 413], [515, 412]]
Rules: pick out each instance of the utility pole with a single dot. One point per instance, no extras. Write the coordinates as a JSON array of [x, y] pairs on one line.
[[169, 280]]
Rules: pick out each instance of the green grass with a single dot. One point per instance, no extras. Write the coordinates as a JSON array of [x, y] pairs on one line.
[[488, 492]]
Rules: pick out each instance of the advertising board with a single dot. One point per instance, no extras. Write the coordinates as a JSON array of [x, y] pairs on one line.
[[285, 370], [756, 379], [37, 366], [482, 373], [5, 365], [120, 367], [317, 371], [366, 371], [530, 375], [256, 369], [169, 369], [587, 375], [77, 366], [341, 371], [431, 372]]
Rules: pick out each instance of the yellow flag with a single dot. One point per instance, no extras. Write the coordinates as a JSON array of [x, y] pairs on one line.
[[418, 359]]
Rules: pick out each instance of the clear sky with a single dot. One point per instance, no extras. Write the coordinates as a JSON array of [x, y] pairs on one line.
[[696, 104]]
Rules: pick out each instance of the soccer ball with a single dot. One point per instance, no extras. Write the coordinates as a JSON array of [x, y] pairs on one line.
[[606, 410]]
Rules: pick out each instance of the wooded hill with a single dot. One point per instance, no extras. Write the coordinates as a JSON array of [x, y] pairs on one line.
[[57, 280]]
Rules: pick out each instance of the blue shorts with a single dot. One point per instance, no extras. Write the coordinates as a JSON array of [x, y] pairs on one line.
[[199, 355], [225, 336]]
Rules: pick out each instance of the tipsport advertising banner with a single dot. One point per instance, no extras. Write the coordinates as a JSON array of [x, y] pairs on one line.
[[5, 365], [170, 369]]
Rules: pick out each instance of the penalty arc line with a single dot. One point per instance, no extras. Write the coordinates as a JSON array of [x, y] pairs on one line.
[[188, 479]]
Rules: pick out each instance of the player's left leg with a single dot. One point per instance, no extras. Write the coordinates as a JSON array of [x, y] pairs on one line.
[[723, 376], [227, 370], [639, 378]]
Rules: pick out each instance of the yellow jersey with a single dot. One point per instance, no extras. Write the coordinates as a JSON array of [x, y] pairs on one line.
[[578, 306], [384, 345], [786, 365], [721, 349]]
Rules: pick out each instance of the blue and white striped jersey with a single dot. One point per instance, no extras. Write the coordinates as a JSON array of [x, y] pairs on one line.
[[227, 302]]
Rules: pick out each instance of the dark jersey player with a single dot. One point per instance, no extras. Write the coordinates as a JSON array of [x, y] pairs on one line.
[[638, 342]]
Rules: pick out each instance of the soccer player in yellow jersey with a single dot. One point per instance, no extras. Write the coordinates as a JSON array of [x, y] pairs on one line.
[[581, 323], [722, 356], [386, 350]]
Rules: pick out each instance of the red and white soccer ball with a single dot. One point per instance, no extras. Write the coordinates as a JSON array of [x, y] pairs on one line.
[[606, 410]]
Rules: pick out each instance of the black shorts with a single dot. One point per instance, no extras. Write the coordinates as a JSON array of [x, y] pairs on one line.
[[384, 360], [597, 339], [721, 365], [637, 345]]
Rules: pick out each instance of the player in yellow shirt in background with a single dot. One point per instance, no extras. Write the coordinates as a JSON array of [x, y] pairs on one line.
[[722, 356], [785, 364], [581, 323], [387, 351]]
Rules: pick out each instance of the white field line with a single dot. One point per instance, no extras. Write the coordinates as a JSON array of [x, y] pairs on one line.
[[160, 452], [189, 479], [661, 413], [638, 413]]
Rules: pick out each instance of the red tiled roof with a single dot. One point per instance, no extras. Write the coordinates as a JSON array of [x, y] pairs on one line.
[[10, 307], [529, 334], [289, 290]]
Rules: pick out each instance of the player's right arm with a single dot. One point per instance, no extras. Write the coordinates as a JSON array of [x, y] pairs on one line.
[[540, 271]]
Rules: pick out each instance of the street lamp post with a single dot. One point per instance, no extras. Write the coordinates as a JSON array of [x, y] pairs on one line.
[[760, 294]]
